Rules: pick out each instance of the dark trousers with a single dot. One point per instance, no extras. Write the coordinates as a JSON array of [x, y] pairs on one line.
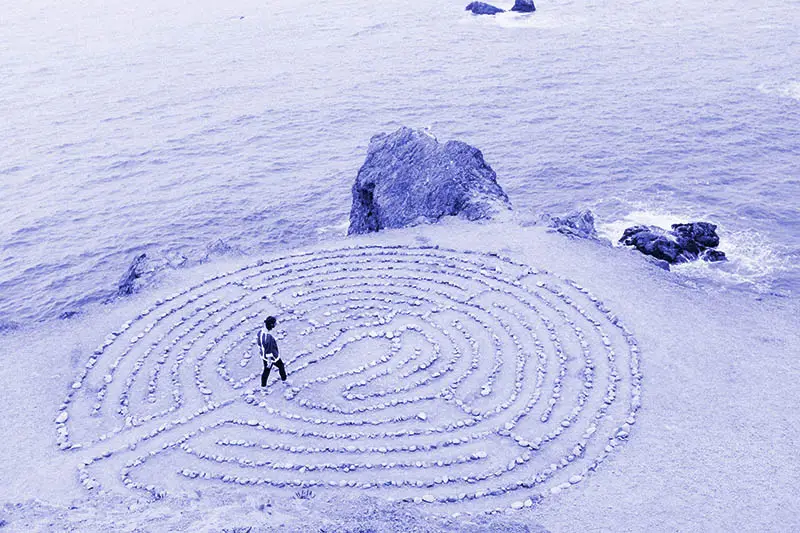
[[268, 367]]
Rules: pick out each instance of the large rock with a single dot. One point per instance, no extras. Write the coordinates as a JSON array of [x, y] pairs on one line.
[[524, 6], [481, 8], [410, 178], [702, 233], [685, 242]]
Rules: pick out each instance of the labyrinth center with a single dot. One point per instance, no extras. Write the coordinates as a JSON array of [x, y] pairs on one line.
[[460, 380]]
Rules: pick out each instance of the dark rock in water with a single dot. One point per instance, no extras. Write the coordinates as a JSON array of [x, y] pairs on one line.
[[686, 242], [577, 224], [143, 267], [713, 256], [128, 284], [702, 233], [410, 178], [524, 6], [481, 8], [655, 241]]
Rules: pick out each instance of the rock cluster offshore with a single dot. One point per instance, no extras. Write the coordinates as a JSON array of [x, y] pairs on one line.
[[684, 243], [482, 8]]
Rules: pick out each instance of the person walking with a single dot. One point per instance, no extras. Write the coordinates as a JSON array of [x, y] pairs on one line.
[[269, 351]]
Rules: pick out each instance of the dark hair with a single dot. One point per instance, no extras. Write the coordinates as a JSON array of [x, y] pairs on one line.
[[270, 322]]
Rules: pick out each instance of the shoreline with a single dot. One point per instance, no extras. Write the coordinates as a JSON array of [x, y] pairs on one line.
[[697, 274]]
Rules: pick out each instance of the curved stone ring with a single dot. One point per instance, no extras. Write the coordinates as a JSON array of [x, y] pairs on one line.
[[460, 380]]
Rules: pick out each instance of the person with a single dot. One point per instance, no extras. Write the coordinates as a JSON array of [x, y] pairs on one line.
[[269, 351]]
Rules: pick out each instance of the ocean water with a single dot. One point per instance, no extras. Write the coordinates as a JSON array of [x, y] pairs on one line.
[[166, 126]]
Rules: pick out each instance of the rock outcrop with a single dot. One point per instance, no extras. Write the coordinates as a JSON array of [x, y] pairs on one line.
[[481, 8], [409, 178], [578, 224], [684, 243], [696, 235], [524, 6], [138, 268], [144, 268]]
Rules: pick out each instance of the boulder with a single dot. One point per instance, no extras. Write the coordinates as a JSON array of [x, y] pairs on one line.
[[524, 6], [702, 233], [409, 178], [578, 224], [481, 8], [684, 243], [652, 240]]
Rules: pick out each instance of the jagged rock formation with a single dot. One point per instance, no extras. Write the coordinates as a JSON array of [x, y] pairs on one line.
[[129, 284], [481, 8], [524, 6], [684, 243], [409, 178], [578, 224]]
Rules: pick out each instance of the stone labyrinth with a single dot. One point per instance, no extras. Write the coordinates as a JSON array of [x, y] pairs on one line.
[[459, 380]]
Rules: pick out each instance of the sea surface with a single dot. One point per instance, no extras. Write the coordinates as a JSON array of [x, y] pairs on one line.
[[166, 126]]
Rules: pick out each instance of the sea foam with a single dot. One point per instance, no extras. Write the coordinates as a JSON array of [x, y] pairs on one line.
[[787, 89]]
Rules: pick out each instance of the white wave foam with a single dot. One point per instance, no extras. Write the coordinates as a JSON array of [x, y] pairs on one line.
[[510, 19], [788, 89], [753, 260], [613, 230], [339, 229]]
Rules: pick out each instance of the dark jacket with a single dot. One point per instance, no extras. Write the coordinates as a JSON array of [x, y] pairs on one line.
[[268, 346]]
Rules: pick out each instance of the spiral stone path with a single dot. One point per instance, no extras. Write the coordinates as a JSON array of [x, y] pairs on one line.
[[459, 380]]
